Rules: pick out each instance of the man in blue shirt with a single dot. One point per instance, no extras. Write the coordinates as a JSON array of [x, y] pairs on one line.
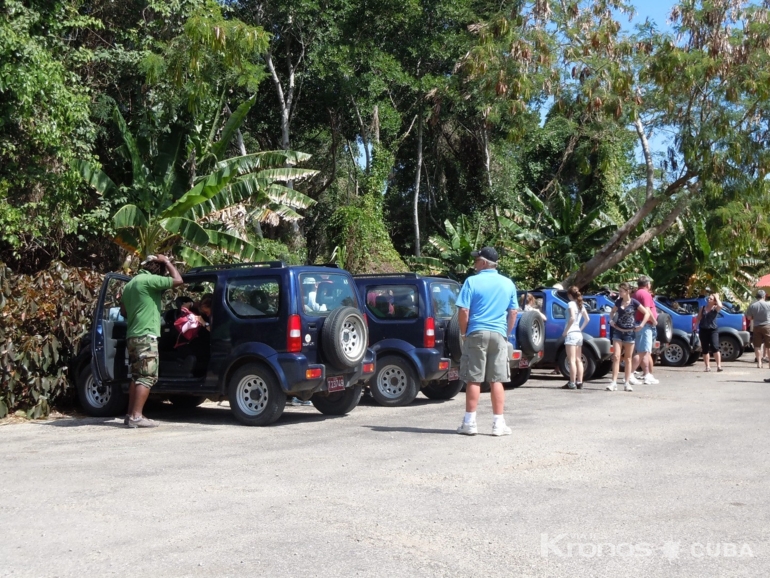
[[487, 307]]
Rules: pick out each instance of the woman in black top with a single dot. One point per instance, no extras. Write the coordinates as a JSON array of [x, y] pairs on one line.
[[707, 327]]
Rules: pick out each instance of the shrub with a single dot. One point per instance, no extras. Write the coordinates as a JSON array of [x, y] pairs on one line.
[[42, 319]]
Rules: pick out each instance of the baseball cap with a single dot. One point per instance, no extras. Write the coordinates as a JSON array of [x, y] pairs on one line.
[[487, 253]]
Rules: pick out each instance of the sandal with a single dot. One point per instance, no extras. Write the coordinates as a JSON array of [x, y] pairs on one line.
[[708, 369]]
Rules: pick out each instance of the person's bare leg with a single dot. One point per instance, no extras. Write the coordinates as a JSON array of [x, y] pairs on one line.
[[497, 392], [571, 362], [628, 354], [131, 397], [617, 351], [636, 362], [472, 393], [141, 393], [718, 358], [579, 363], [706, 359]]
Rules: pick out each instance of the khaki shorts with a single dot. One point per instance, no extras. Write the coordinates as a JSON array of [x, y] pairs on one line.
[[761, 336], [485, 358], [143, 360]]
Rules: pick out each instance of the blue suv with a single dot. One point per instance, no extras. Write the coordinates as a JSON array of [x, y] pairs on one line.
[[731, 324], [414, 330], [685, 347], [275, 331]]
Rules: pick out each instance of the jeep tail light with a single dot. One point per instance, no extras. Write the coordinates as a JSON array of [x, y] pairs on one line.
[[516, 354], [314, 373], [443, 365], [294, 339], [429, 337], [694, 323], [744, 323], [603, 326], [368, 368]]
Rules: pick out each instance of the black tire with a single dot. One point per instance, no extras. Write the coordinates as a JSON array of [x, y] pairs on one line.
[[589, 364], [695, 356], [344, 338], [255, 396], [665, 327], [186, 401], [339, 402], [100, 400], [530, 333], [676, 353], [453, 340], [519, 378], [602, 369], [443, 390], [394, 382], [730, 347]]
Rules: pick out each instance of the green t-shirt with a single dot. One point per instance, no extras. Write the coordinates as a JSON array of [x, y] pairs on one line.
[[141, 297]]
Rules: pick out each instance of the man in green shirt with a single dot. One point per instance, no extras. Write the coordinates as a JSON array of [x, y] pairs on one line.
[[141, 298]]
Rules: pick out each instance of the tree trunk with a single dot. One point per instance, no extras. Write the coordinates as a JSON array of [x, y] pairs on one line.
[[417, 179], [488, 169]]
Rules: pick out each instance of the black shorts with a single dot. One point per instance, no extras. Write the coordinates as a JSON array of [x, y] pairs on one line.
[[709, 339]]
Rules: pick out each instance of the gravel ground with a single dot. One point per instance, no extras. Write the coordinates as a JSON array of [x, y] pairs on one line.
[[668, 481]]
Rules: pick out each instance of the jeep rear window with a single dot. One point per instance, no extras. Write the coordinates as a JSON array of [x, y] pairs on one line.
[[393, 301], [444, 297], [322, 293], [258, 297]]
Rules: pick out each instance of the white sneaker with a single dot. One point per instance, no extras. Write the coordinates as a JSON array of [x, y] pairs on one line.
[[627, 386], [468, 429], [638, 374], [650, 380], [613, 386], [501, 430], [633, 381]]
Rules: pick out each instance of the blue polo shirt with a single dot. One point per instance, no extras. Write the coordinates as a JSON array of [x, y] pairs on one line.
[[488, 295]]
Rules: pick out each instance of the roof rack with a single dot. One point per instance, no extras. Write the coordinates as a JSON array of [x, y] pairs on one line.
[[375, 275], [266, 264]]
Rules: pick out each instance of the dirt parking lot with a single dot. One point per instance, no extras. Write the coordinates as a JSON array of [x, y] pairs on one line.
[[670, 480]]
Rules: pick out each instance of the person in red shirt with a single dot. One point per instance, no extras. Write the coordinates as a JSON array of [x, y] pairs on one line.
[[645, 337]]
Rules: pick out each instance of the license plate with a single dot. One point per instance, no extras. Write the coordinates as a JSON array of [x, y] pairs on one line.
[[523, 363], [454, 373], [336, 383]]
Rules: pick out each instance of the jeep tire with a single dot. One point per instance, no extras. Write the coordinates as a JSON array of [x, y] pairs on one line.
[[676, 353], [394, 383], [665, 328], [344, 338], [106, 400], [530, 333], [338, 402], [255, 396], [453, 340], [589, 364], [443, 390], [519, 378]]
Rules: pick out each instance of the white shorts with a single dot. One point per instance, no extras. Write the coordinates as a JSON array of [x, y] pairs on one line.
[[574, 338]]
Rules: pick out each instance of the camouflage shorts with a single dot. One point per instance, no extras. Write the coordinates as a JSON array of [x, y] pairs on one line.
[[143, 360]]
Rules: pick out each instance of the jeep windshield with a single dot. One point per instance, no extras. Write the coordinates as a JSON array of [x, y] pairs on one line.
[[444, 295], [322, 293]]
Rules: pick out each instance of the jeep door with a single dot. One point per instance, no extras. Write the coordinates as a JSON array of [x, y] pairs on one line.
[[109, 357]]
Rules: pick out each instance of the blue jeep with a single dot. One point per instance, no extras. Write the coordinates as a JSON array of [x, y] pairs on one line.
[[413, 328], [597, 348], [275, 330], [685, 347], [731, 323]]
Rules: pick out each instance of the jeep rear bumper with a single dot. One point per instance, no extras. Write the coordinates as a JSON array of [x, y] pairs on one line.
[[302, 376]]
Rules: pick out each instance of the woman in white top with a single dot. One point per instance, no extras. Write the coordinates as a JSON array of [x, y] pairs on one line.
[[573, 337]]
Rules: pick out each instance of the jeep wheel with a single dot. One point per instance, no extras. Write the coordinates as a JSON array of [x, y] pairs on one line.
[[665, 327], [255, 396], [530, 333], [443, 390], [676, 353], [519, 378], [602, 369], [589, 365], [453, 340], [730, 347], [344, 338], [394, 382], [186, 401], [100, 400], [339, 402]]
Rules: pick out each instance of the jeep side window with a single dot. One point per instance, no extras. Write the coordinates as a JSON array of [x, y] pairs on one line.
[[558, 312], [254, 297], [393, 301]]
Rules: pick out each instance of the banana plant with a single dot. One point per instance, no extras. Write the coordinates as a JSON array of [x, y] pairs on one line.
[[454, 251], [161, 216]]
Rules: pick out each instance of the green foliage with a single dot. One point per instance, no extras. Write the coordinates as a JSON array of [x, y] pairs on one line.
[[453, 252], [42, 318], [358, 231]]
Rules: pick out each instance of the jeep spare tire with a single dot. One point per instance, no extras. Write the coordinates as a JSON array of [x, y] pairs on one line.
[[344, 338], [453, 340], [530, 333], [665, 327]]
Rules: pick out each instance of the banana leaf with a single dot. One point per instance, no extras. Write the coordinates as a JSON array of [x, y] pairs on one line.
[[187, 229], [236, 246], [95, 178], [129, 216], [193, 258], [219, 148]]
